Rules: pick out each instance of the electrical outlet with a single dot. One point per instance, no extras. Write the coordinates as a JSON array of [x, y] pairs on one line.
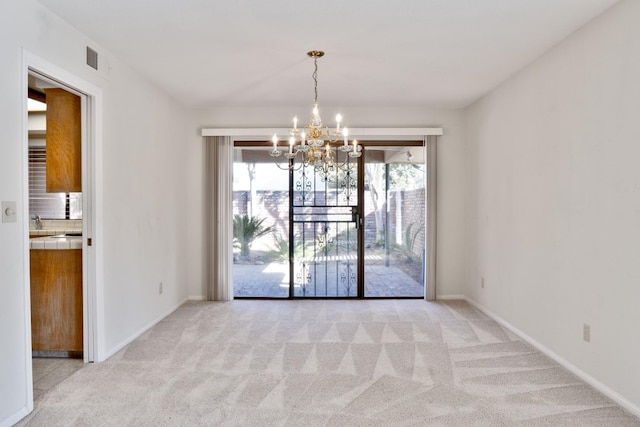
[[482, 282], [160, 288], [586, 332]]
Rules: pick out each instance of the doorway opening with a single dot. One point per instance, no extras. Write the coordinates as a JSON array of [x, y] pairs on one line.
[[352, 233], [60, 265], [55, 213]]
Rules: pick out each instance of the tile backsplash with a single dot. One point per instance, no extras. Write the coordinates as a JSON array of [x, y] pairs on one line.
[[51, 227]]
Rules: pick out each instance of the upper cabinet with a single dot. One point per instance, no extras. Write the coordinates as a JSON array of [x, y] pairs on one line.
[[64, 160]]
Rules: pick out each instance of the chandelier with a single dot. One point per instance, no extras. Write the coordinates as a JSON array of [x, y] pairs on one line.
[[316, 143]]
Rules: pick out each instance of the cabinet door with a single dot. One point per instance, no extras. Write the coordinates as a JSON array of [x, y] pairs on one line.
[[56, 300], [64, 161]]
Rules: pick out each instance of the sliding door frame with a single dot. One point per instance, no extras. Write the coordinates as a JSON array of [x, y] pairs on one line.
[[375, 136], [361, 261]]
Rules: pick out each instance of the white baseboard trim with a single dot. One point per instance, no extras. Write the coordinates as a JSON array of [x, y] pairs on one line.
[[602, 388], [15, 417], [196, 298], [449, 297], [141, 331]]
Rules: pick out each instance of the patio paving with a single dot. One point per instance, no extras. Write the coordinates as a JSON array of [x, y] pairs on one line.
[[272, 280]]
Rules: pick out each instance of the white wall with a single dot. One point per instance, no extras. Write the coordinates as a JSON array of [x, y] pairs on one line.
[[554, 199], [451, 175], [144, 198]]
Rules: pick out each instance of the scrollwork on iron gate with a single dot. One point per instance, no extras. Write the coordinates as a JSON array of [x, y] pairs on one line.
[[303, 278], [348, 187], [303, 187]]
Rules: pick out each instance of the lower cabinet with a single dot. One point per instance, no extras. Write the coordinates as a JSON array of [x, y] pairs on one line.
[[56, 302]]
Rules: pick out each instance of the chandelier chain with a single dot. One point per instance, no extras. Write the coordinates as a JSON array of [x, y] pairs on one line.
[[315, 77]]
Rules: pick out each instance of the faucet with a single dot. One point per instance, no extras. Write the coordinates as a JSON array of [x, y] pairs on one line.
[[37, 222]]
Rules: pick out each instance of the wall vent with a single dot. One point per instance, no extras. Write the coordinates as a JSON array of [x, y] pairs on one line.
[[92, 58]]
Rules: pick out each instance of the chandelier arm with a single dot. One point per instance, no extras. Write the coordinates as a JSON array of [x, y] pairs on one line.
[[291, 167], [280, 167]]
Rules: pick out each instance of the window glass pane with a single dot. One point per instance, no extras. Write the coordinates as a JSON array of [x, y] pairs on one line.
[[394, 222], [49, 205], [261, 226]]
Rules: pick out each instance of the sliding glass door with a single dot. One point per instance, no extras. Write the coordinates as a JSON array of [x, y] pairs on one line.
[[305, 232], [394, 205], [260, 225]]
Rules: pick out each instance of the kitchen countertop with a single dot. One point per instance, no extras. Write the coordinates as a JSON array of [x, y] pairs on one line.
[[52, 231], [56, 242]]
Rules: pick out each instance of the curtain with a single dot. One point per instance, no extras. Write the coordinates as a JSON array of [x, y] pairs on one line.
[[431, 221], [219, 217]]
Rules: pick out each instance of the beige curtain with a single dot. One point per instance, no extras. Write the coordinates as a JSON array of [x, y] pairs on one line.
[[432, 218], [219, 217]]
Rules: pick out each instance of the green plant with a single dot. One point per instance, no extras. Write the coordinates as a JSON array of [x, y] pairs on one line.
[[247, 229], [280, 248], [408, 244], [380, 241]]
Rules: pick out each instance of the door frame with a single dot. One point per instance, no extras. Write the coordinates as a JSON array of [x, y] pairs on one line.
[[428, 211], [224, 287], [92, 283]]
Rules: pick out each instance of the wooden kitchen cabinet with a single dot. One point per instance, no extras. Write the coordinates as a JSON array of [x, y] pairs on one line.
[[56, 302], [64, 160]]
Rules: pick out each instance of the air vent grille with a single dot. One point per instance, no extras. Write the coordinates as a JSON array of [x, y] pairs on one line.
[[92, 58]]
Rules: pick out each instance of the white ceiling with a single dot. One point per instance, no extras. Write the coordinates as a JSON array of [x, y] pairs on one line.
[[402, 53]]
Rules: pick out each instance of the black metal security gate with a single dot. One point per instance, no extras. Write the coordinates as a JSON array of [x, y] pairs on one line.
[[325, 231]]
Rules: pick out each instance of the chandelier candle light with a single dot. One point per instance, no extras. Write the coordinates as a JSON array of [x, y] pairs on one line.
[[314, 140]]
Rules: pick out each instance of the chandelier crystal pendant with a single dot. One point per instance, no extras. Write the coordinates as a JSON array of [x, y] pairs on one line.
[[314, 142]]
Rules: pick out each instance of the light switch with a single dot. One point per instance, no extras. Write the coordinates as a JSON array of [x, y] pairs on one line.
[[9, 212]]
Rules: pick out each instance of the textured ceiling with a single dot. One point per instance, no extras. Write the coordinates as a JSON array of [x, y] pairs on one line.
[[403, 53]]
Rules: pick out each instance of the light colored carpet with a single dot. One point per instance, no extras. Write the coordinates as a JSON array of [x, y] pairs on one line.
[[335, 363]]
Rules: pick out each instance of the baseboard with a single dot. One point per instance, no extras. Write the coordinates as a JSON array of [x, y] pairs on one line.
[[14, 418], [196, 298], [448, 297], [602, 388], [128, 341]]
